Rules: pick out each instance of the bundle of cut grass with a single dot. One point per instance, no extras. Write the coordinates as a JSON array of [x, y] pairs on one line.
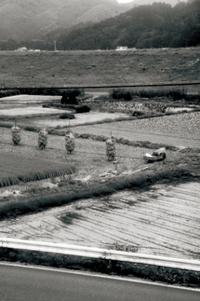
[[69, 142], [16, 135], [111, 149], [42, 139]]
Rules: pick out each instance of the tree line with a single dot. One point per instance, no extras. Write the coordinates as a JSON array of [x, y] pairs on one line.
[[148, 26]]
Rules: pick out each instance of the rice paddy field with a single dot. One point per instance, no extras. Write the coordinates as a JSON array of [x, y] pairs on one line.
[[98, 67], [89, 157], [163, 221], [177, 130], [15, 169]]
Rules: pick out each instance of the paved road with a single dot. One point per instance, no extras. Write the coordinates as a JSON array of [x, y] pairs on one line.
[[22, 284]]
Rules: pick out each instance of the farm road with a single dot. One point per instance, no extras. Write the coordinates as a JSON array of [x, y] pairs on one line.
[[177, 130], [22, 284]]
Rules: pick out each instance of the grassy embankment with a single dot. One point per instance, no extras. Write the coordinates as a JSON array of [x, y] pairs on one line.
[[179, 170]]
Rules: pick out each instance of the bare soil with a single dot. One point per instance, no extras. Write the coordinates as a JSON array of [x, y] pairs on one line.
[[180, 130], [161, 221]]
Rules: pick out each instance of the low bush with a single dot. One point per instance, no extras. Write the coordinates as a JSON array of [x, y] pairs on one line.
[[82, 109], [175, 94], [71, 96], [6, 93], [138, 113], [67, 116], [69, 217], [122, 94]]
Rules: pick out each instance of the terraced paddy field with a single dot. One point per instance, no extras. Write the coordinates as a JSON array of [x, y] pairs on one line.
[[176, 130], [98, 67], [164, 220]]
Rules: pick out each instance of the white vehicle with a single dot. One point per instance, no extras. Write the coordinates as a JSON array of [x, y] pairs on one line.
[[158, 155]]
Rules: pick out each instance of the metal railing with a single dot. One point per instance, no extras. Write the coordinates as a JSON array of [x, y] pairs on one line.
[[115, 255]]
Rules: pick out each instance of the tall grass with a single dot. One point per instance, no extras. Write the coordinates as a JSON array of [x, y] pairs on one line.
[[35, 176], [127, 94], [16, 169]]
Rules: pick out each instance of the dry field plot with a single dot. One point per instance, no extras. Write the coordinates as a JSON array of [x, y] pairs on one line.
[[81, 119], [26, 100], [163, 221], [177, 130], [98, 67], [29, 111]]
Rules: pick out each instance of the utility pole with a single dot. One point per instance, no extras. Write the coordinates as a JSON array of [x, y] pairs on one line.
[[55, 45]]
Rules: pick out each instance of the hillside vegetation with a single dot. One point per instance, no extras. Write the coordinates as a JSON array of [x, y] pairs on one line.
[[22, 21], [147, 26]]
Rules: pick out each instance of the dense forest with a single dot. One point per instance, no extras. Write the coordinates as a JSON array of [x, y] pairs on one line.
[[147, 26]]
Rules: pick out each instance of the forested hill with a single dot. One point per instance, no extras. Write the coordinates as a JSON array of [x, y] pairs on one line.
[[147, 26], [22, 20]]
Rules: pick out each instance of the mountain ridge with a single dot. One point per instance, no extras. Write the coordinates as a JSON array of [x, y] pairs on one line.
[[147, 26], [29, 19]]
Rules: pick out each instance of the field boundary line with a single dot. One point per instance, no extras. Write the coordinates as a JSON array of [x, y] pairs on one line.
[[98, 253], [104, 86]]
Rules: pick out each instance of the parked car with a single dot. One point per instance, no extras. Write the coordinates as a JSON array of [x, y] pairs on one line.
[[158, 155]]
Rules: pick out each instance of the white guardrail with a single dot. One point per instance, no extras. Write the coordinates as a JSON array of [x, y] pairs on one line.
[[73, 250]]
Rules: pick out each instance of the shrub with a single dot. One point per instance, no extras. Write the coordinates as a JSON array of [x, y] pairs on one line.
[[121, 94], [175, 94], [82, 109], [6, 93], [138, 113], [67, 116], [71, 96]]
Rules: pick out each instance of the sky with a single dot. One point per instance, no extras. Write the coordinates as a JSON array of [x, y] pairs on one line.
[[124, 1], [128, 1]]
